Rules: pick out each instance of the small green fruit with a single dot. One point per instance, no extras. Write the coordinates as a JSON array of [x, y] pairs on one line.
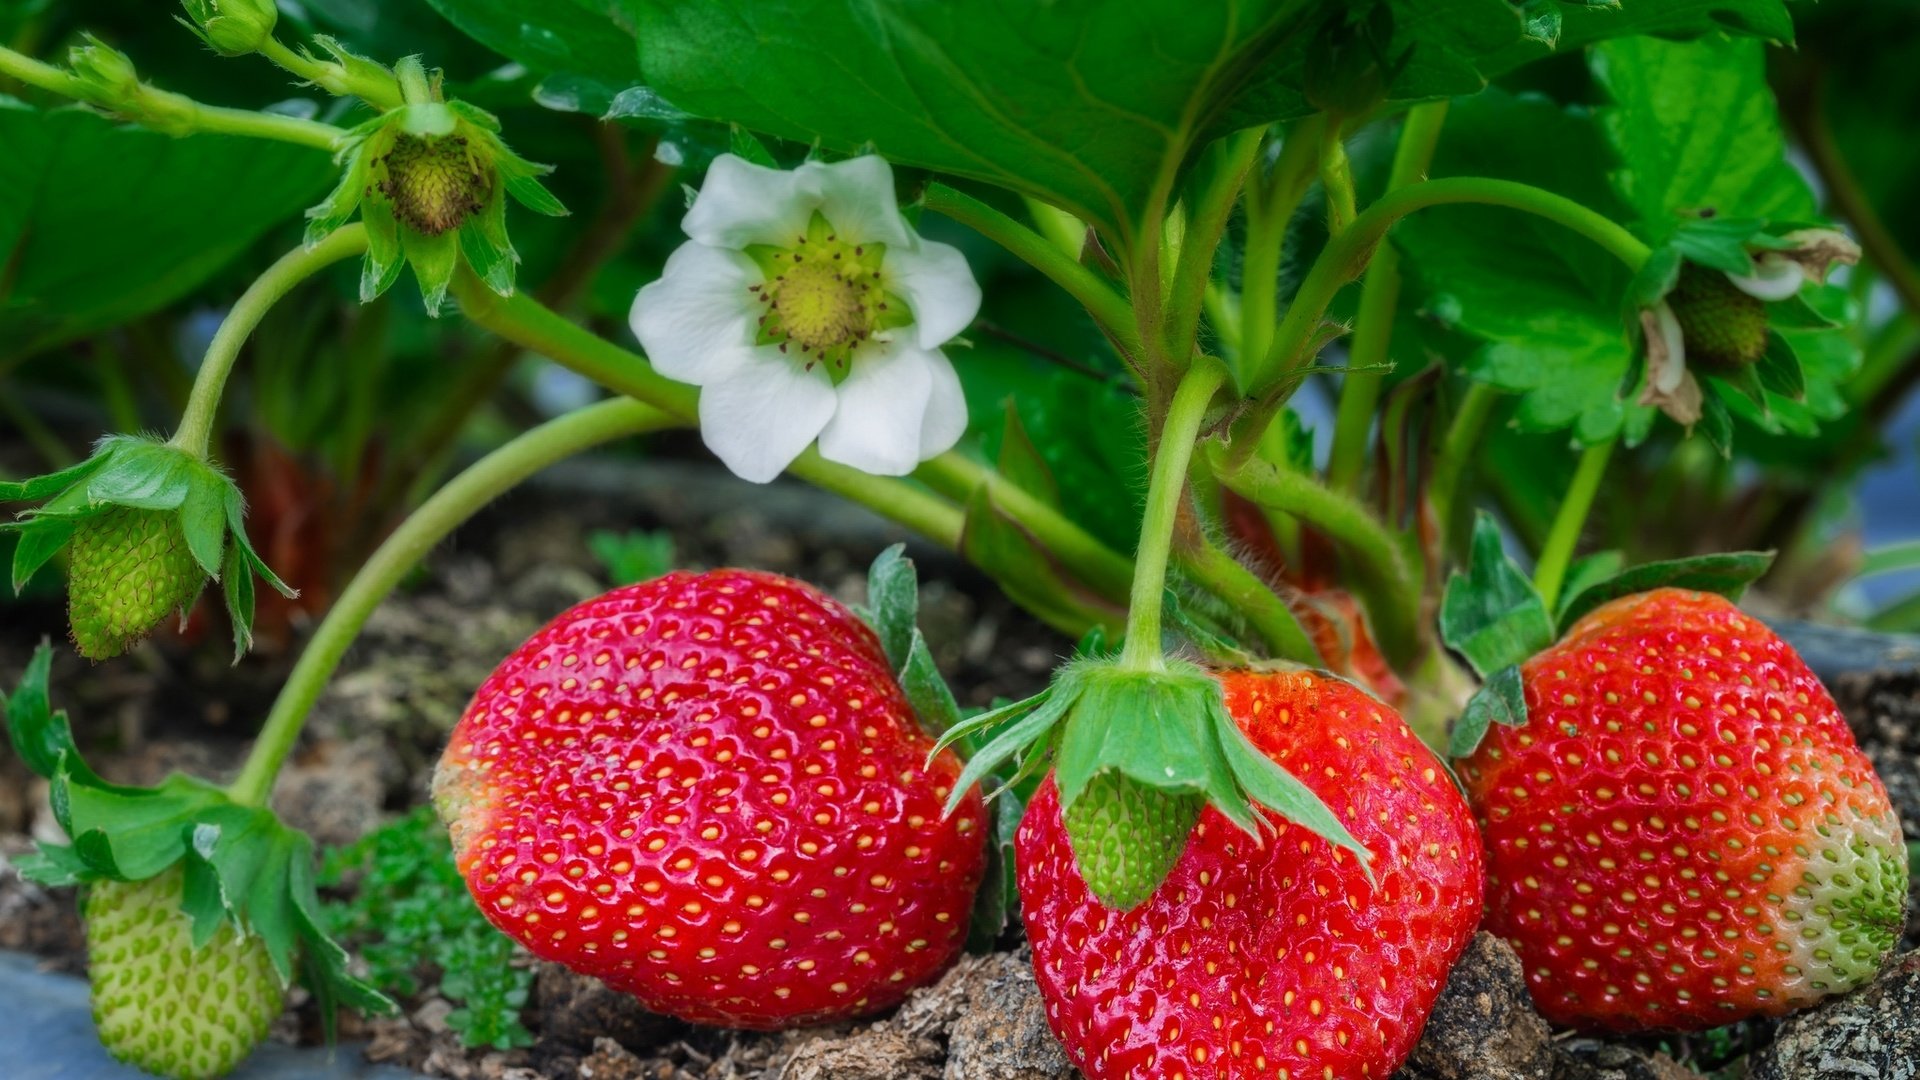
[[434, 182], [1723, 326], [128, 569], [160, 1004], [1126, 836]]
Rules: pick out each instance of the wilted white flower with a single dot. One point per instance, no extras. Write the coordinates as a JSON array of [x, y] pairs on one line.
[[804, 306]]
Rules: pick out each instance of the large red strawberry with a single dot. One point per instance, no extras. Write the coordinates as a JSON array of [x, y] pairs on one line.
[[709, 791], [1268, 959], [1683, 833]]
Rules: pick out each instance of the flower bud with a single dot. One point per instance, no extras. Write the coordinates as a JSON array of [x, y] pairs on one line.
[[233, 27], [108, 74]]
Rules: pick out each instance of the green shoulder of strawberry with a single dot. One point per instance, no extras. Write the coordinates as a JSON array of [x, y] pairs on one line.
[[146, 525], [1681, 831], [199, 911]]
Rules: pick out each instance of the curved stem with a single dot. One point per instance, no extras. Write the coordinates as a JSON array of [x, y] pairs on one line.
[[1551, 572], [1168, 484], [1382, 577], [163, 110], [296, 266], [1450, 465], [1108, 308], [959, 477], [1208, 221], [1379, 298], [532, 325], [451, 506], [1345, 256], [366, 81]]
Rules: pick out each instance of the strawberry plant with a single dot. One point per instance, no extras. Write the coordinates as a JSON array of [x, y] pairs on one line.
[[1370, 389]]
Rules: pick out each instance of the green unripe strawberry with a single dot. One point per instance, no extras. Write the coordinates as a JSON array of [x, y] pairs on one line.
[[1127, 835], [1722, 326], [434, 182], [160, 1004], [129, 568]]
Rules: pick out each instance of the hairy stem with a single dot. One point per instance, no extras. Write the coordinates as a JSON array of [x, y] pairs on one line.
[[1379, 298], [1450, 465], [452, 505], [1168, 485], [367, 82], [1555, 555], [296, 266], [1223, 576]]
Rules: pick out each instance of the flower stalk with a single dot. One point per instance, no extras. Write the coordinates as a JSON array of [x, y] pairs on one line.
[[1179, 434]]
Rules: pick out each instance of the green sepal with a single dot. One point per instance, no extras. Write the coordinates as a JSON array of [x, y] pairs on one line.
[[1591, 570], [40, 488], [203, 523], [236, 588], [1796, 312], [1492, 614], [1719, 243], [1726, 573], [433, 259], [893, 602], [1500, 700], [1779, 369], [927, 691], [35, 542], [1716, 423], [241, 863], [1655, 279], [999, 895], [1037, 718], [380, 268], [483, 240]]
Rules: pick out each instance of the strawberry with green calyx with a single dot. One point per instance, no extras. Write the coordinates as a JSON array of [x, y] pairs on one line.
[[199, 910], [709, 790], [1714, 297], [1680, 830], [430, 179], [1272, 955], [146, 525]]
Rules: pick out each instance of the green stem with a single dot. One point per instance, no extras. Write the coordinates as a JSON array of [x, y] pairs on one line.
[[172, 113], [296, 266], [532, 325], [1557, 552], [1346, 255], [1223, 576], [1178, 435], [1336, 179], [368, 81], [1108, 308], [451, 506], [1211, 207], [1382, 578], [959, 478], [1450, 465], [1379, 299], [1269, 205]]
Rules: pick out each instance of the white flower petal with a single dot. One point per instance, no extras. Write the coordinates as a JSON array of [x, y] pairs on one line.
[[1666, 350], [696, 322], [741, 203], [1773, 278], [759, 419], [946, 418], [935, 280], [856, 196], [883, 404]]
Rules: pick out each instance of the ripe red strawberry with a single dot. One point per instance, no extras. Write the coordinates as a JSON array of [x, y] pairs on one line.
[[1278, 959], [708, 791], [1683, 833]]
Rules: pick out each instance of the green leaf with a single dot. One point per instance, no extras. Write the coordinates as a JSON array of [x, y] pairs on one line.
[[41, 737], [1093, 105], [893, 601], [1502, 700], [1020, 461], [1492, 614], [1031, 576], [1697, 129], [588, 41], [926, 690], [102, 222], [1727, 574], [1582, 23], [998, 899]]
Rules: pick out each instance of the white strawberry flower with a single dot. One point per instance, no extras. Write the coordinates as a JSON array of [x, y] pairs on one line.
[[804, 306]]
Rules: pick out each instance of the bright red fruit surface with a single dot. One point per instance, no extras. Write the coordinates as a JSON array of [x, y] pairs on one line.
[[1274, 959], [1684, 832], [708, 791]]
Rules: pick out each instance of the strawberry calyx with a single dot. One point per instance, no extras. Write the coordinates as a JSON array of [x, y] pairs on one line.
[[1492, 615], [240, 866], [180, 520], [1151, 748]]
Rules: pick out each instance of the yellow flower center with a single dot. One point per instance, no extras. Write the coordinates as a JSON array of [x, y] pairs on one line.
[[820, 307], [824, 297]]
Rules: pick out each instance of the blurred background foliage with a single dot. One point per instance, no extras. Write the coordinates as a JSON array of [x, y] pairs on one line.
[[119, 249]]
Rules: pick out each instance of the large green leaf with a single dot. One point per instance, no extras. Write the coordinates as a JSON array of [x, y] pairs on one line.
[[101, 223], [1696, 129], [1547, 305], [584, 47], [1091, 104], [1580, 23]]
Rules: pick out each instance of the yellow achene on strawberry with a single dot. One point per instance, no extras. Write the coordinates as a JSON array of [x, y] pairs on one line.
[[1684, 832], [709, 791]]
